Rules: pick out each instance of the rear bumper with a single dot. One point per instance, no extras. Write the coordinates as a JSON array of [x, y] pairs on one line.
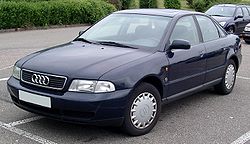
[[97, 109]]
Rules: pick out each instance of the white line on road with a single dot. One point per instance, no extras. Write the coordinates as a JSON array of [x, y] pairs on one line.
[[25, 121], [243, 139], [6, 67], [4, 79], [25, 134], [245, 78]]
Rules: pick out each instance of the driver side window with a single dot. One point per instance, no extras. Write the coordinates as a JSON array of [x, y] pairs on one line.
[[239, 12], [185, 29]]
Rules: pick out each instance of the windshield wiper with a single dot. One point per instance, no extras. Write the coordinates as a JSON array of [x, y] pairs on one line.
[[84, 40], [111, 43]]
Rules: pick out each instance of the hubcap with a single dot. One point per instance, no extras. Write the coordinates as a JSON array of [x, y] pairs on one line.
[[230, 76], [143, 110], [230, 30]]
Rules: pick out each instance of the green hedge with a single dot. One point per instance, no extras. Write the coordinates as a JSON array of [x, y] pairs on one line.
[[148, 3], [134, 4], [57, 12], [172, 4]]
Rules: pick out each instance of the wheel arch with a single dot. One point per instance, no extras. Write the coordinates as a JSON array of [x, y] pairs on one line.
[[231, 25], [236, 61], [155, 81]]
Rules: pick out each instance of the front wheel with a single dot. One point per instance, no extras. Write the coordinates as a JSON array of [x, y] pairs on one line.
[[231, 30], [227, 84], [143, 110]]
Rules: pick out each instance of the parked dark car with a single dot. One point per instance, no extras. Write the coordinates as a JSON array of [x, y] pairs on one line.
[[233, 18], [246, 34], [120, 71]]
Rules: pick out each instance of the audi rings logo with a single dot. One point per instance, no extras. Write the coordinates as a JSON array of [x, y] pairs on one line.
[[40, 79]]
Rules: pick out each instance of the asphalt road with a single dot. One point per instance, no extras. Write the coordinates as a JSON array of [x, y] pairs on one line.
[[201, 118]]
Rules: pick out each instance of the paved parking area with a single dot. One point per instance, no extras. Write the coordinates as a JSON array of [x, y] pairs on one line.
[[201, 118]]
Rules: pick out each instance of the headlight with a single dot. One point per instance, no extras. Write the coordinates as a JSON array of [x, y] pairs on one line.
[[247, 28], [222, 23], [16, 72], [91, 86]]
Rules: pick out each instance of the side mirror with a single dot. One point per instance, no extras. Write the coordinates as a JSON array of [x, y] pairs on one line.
[[180, 44], [238, 16], [81, 32]]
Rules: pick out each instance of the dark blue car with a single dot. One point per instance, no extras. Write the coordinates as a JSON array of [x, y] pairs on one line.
[[120, 71], [233, 18]]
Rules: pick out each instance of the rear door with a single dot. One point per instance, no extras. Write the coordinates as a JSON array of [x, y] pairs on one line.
[[187, 67], [216, 45]]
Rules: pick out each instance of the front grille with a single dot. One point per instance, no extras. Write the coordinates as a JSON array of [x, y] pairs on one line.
[[43, 80]]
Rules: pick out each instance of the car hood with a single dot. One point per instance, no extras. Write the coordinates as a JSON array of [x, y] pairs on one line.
[[221, 19], [81, 60]]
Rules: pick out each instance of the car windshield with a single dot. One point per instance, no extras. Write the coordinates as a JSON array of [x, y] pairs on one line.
[[224, 11], [128, 30]]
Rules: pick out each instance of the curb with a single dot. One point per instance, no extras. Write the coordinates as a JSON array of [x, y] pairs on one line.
[[42, 28]]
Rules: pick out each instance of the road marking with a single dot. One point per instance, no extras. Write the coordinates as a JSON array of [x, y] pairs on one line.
[[25, 121], [245, 78], [243, 139], [6, 67], [25, 134], [4, 79]]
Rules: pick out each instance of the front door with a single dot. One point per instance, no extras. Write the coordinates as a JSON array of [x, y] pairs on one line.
[[239, 23], [187, 67], [246, 16]]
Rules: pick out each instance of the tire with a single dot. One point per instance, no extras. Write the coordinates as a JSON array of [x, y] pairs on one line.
[[144, 103], [231, 30], [227, 84], [247, 41]]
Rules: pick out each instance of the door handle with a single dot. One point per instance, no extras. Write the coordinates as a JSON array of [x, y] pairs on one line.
[[202, 53]]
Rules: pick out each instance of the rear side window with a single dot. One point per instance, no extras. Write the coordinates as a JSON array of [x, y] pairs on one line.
[[185, 29], [245, 11], [208, 28]]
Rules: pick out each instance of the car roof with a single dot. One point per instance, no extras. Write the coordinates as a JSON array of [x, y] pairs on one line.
[[231, 5], [159, 12]]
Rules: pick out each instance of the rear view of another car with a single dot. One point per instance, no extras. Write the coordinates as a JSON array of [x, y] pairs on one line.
[[233, 18]]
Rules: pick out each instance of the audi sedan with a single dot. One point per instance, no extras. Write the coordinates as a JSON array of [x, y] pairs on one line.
[[233, 18], [120, 71]]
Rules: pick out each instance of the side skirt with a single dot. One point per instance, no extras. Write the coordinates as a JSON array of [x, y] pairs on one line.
[[190, 91]]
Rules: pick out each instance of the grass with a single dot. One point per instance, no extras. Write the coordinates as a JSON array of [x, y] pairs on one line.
[[246, 2], [160, 3]]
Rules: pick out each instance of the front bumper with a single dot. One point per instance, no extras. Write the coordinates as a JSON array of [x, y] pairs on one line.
[[97, 109], [246, 35]]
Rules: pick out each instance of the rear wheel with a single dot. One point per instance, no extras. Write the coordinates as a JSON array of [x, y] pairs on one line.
[[228, 81], [143, 110]]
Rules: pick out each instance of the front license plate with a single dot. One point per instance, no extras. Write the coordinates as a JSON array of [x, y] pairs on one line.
[[35, 99]]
